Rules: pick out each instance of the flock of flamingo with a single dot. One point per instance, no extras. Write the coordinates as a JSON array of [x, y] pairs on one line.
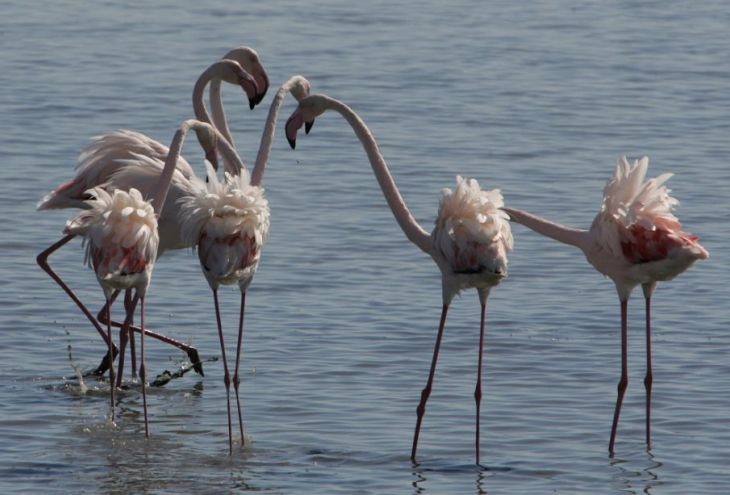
[[139, 199]]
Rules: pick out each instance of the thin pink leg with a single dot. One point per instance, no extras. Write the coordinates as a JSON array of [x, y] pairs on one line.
[[426, 392], [624, 381], [122, 336], [648, 379], [142, 368], [226, 375], [125, 332], [112, 381], [236, 379], [130, 303], [478, 389], [42, 261]]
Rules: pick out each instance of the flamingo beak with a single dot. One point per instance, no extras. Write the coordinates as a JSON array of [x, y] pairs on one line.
[[291, 127], [251, 89], [295, 122], [308, 126], [262, 80]]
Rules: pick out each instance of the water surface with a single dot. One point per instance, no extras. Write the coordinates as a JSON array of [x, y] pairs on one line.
[[538, 99]]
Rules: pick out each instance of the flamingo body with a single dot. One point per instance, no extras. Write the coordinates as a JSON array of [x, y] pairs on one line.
[[471, 237], [228, 221], [100, 160], [142, 172], [635, 239], [120, 231]]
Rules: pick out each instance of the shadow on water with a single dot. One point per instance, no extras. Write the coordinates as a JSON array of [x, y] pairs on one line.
[[421, 474], [637, 474]]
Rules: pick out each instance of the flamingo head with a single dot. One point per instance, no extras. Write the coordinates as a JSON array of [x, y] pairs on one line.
[[300, 89], [231, 72], [309, 108], [249, 60]]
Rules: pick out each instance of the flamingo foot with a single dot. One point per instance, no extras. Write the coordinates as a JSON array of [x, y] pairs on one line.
[[105, 363], [195, 361]]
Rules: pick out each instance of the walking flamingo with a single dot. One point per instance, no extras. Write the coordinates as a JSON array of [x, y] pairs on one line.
[[634, 240], [121, 235], [469, 242], [103, 158], [227, 222]]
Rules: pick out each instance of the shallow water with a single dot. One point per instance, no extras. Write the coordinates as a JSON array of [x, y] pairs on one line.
[[537, 99]]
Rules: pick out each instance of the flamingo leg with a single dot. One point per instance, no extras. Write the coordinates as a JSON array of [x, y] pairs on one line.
[[226, 375], [112, 381], [130, 305], [236, 379], [426, 392], [478, 388], [624, 381], [128, 302], [142, 368], [648, 379], [192, 352], [42, 261], [123, 338]]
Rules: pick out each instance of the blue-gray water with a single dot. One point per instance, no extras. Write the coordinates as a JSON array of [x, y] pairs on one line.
[[536, 98]]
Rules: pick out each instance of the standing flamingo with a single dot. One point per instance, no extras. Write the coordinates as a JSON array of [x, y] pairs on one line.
[[121, 235], [469, 242], [103, 158], [634, 240], [228, 223]]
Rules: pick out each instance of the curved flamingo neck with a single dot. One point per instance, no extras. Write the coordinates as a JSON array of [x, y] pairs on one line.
[[217, 112], [567, 235], [163, 186], [234, 164], [413, 231], [267, 136], [201, 112], [212, 75]]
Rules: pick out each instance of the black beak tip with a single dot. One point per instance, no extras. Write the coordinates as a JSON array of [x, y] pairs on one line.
[[308, 126], [252, 102], [292, 142]]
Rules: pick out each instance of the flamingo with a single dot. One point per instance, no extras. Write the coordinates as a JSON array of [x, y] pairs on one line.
[[469, 242], [227, 222], [120, 231], [101, 160], [634, 240]]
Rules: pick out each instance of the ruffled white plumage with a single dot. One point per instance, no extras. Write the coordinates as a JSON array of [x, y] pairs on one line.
[[471, 232], [228, 221], [629, 201], [120, 233]]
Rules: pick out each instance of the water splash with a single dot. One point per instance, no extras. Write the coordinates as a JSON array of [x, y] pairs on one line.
[[77, 370]]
